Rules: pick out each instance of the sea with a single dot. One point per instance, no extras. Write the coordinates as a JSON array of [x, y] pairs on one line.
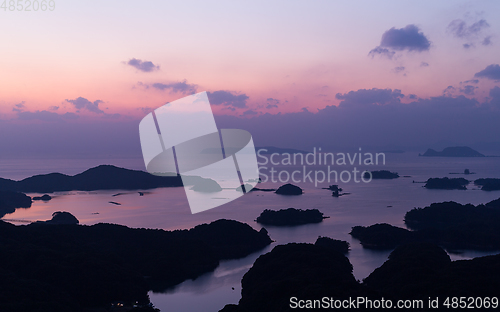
[[366, 203]]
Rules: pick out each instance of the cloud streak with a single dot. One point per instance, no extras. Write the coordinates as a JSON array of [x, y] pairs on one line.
[[228, 98], [176, 87], [490, 72], [82, 103], [460, 29], [144, 66]]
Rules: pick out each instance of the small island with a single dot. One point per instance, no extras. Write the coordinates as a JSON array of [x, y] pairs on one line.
[[456, 151], [60, 217], [206, 186], [335, 244], [447, 183], [10, 201], [336, 190], [290, 217], [43, 198], [488, 184], [289, 189], [380, 174]]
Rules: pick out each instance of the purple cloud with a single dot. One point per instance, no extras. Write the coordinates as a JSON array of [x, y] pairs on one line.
[[373, 96], [227, 98], [486, 41], [398, 69], [144, 66], [460, 29], [468, 89], [490, 72], [19, 107], [382, 52], [83, 103], [176, 87], [408, 38]]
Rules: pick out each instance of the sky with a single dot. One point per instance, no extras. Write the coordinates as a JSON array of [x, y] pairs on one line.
[[297, 74]]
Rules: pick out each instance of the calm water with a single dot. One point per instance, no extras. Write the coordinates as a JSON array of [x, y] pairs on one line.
[[166, 208]]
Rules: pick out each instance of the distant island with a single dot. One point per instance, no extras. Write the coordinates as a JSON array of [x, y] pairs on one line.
[[104, 177], [336, 190], [447, 183], [70, 267], [448, 224], [290, 217], [289, 189], [488, 184], [457, 151], [381, 174]]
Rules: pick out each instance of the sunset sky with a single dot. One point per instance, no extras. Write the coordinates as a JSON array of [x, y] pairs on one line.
[[117, 60]]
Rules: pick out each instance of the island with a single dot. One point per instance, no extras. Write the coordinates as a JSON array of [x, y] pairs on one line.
[[206, 186], [44, 197], [103, 177], [10, 201], [447, 183], [456, 151], [86, 268], [423, 270], [336, 190], [289, 189], [335, 244], [380, 174], [58, 218], [448, 224], [303, 271], [318, 278], [290, 217], [488, 184]]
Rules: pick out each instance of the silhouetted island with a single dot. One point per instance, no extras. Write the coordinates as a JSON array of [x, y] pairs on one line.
[[247, 187], [335, 244], [43, 197], [381, 174], [293, 272], [60, 217], [448, 224], [457, 151], [73, 267], [263, 189], [289, 189], [290, 217], [381, 236], [422, 270], [9, 201], [104, 177], [447, 183], [304, 271], [336, 190], [206, 186], [488, 184]]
